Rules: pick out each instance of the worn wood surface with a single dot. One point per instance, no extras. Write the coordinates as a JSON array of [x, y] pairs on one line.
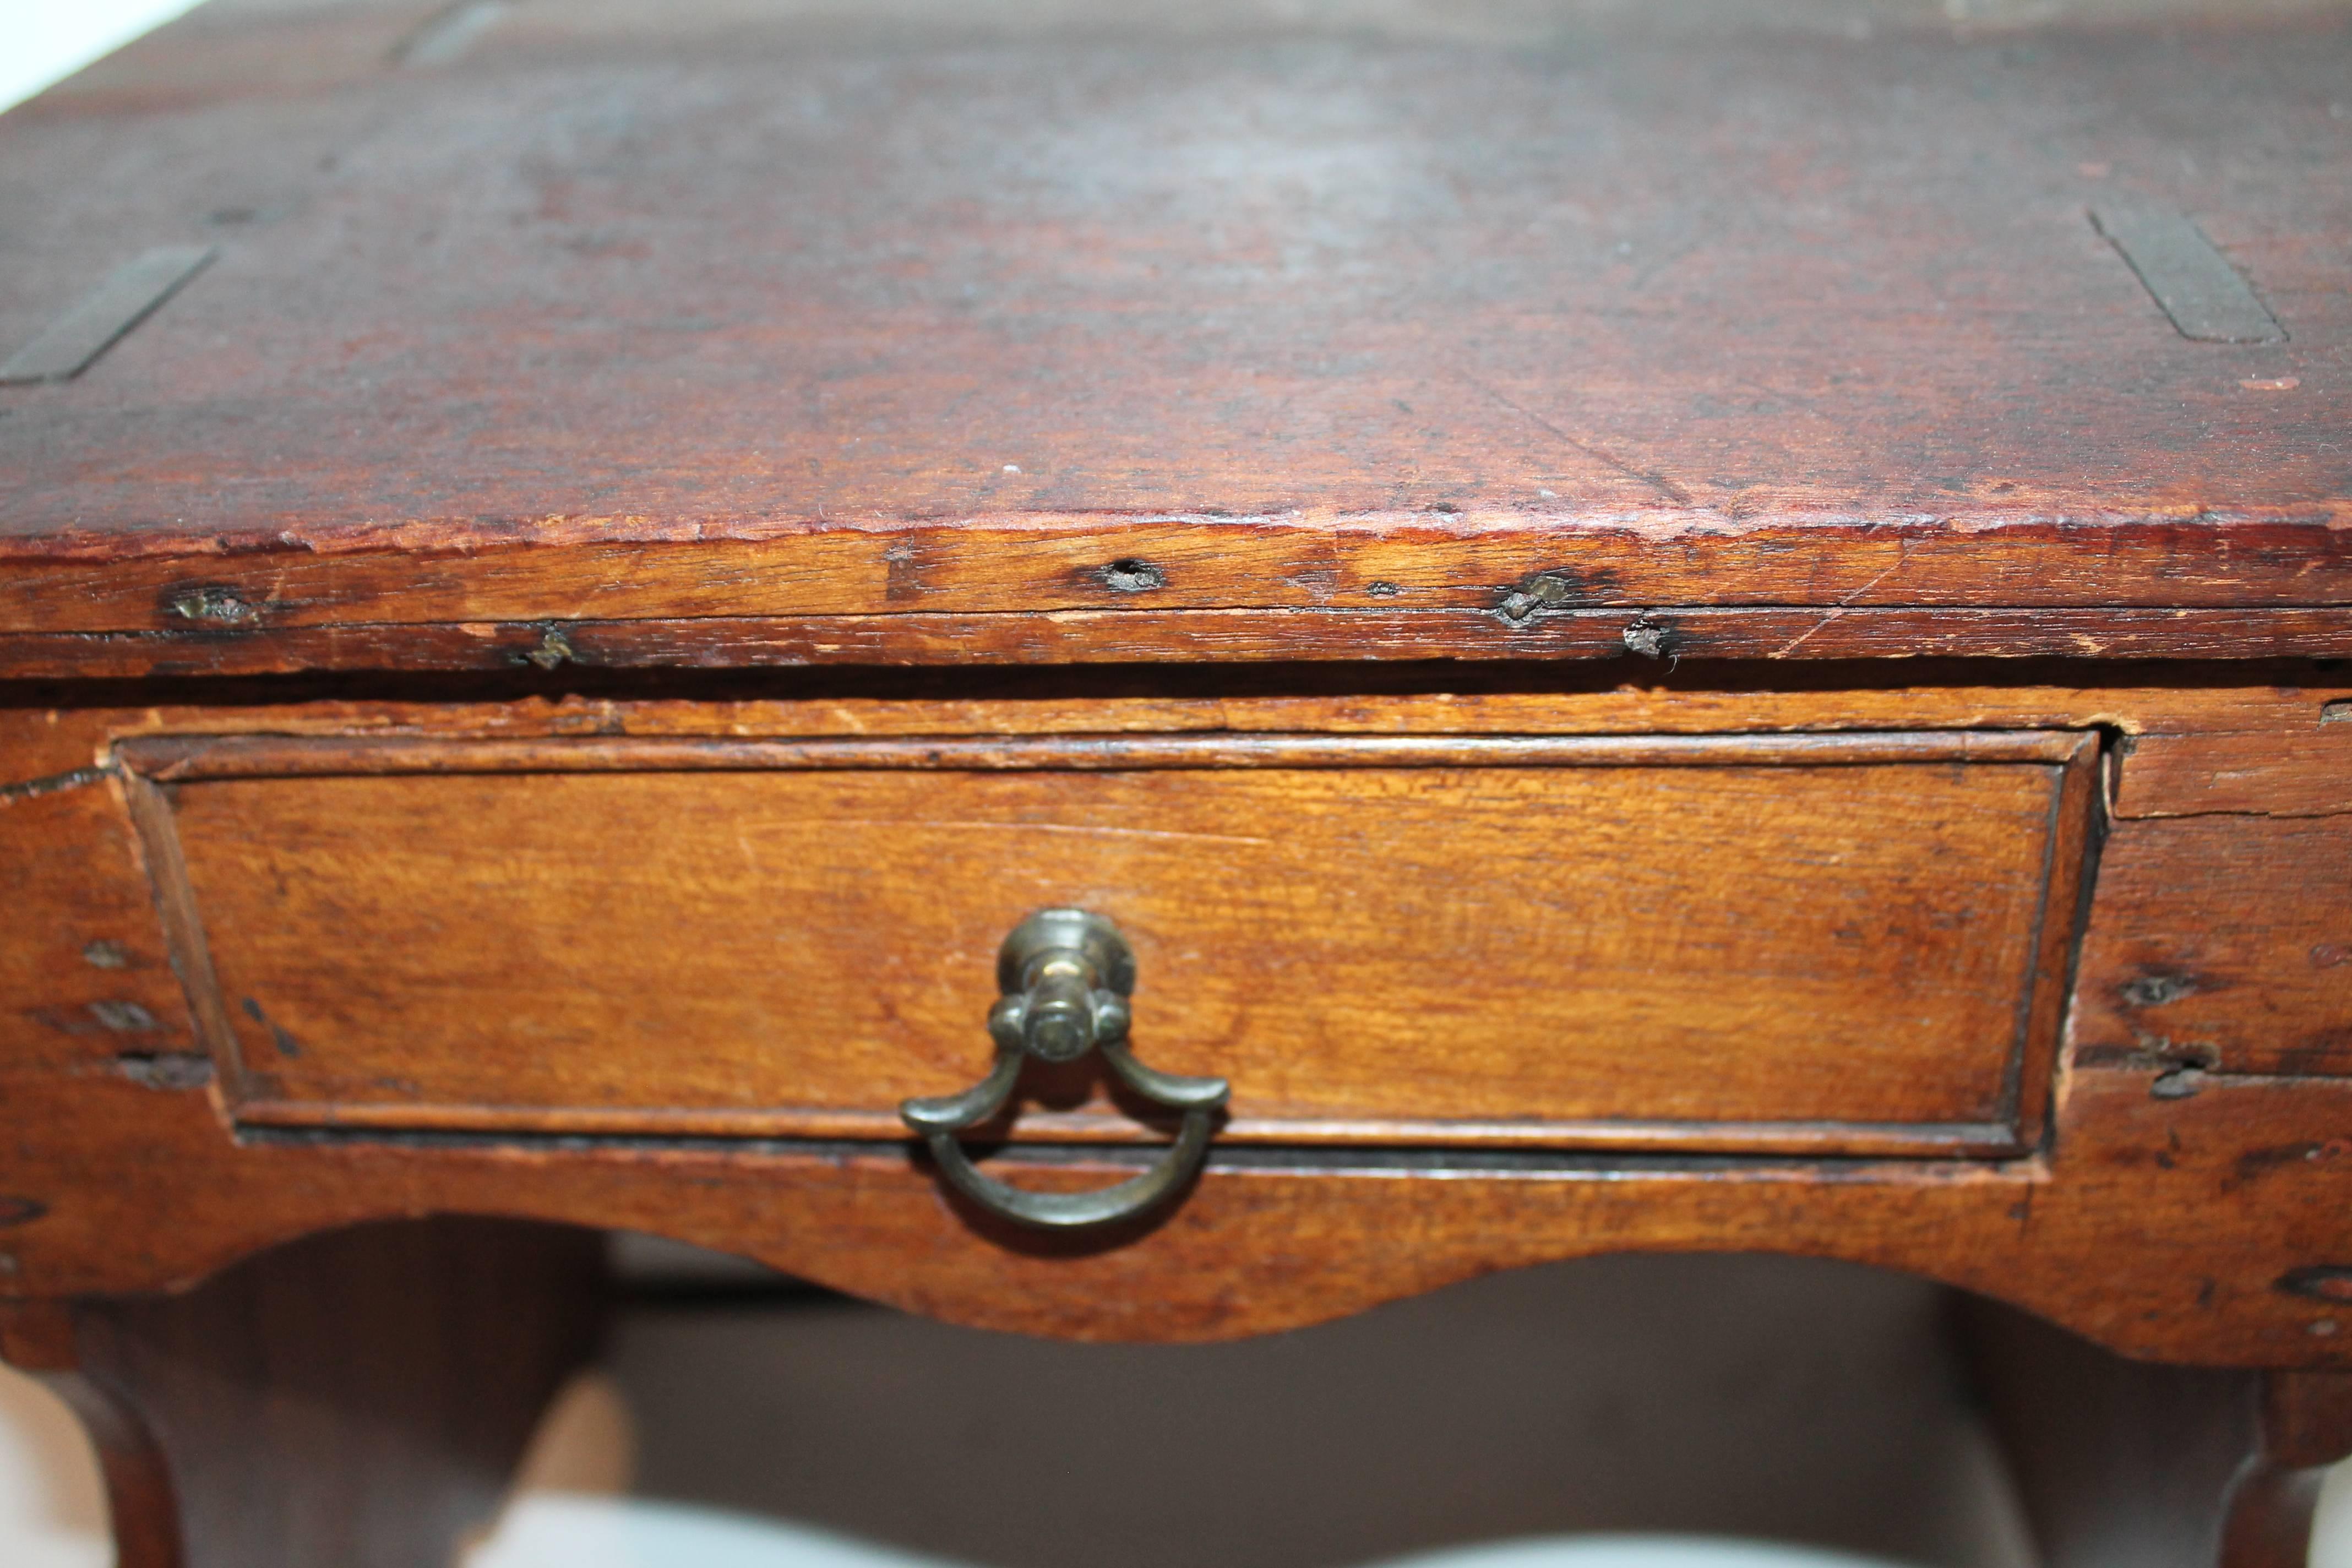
[[2187, 1216], [1645, 639], [2276, 720], [2156, 1227], [1834, 944], [1241, 337], [2221, 943], [566, 358], [2283, 770], [354, 1398]]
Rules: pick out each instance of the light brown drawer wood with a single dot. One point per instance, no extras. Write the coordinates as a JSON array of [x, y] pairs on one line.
[[2224, 943], [1852, 942]]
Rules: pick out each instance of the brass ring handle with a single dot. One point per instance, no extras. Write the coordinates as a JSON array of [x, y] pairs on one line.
[[1064, 977]]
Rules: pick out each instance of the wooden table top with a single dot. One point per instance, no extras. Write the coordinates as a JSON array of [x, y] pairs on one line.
[[1382, 308]]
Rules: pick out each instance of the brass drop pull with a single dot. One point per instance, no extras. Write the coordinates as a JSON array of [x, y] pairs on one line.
[[1065, 976]]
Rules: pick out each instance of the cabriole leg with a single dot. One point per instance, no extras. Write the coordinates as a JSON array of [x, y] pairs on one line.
[[355, 1398], [2122, 1463]]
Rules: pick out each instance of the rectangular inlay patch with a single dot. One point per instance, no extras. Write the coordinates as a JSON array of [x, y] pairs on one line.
[[2194, 283], [126, 299], [450, 33]]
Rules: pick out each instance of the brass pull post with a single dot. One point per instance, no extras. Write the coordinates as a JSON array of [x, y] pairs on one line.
[[1064, 977]]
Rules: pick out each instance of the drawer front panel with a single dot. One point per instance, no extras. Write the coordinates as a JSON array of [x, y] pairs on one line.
[[1736, 942]]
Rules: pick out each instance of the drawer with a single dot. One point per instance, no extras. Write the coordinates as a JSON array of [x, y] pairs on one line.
[[1851, 943]]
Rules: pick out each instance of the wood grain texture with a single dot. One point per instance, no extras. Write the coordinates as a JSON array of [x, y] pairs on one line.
[[353, 1398], [2294, 769], [2156, 1227], [199, 758], [599, 352], [2263, 714], [2165, 1223], [1043, 312], [49, 730], [1653, 637], [2221, 943], [1835, 943], [85, 969]]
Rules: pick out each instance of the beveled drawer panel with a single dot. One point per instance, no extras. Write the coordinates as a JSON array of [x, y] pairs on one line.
[[1836, 942]]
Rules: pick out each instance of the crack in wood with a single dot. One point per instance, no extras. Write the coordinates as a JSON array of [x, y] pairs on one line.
[[51, 784]]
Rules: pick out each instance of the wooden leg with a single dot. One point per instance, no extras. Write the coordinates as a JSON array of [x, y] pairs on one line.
[[356, 1398], [2122, 1464]]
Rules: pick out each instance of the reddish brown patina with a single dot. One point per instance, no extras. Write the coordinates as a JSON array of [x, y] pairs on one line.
[[420, 425], [993, 317]]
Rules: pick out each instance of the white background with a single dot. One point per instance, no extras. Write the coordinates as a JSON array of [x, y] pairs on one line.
[[42, 40]]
